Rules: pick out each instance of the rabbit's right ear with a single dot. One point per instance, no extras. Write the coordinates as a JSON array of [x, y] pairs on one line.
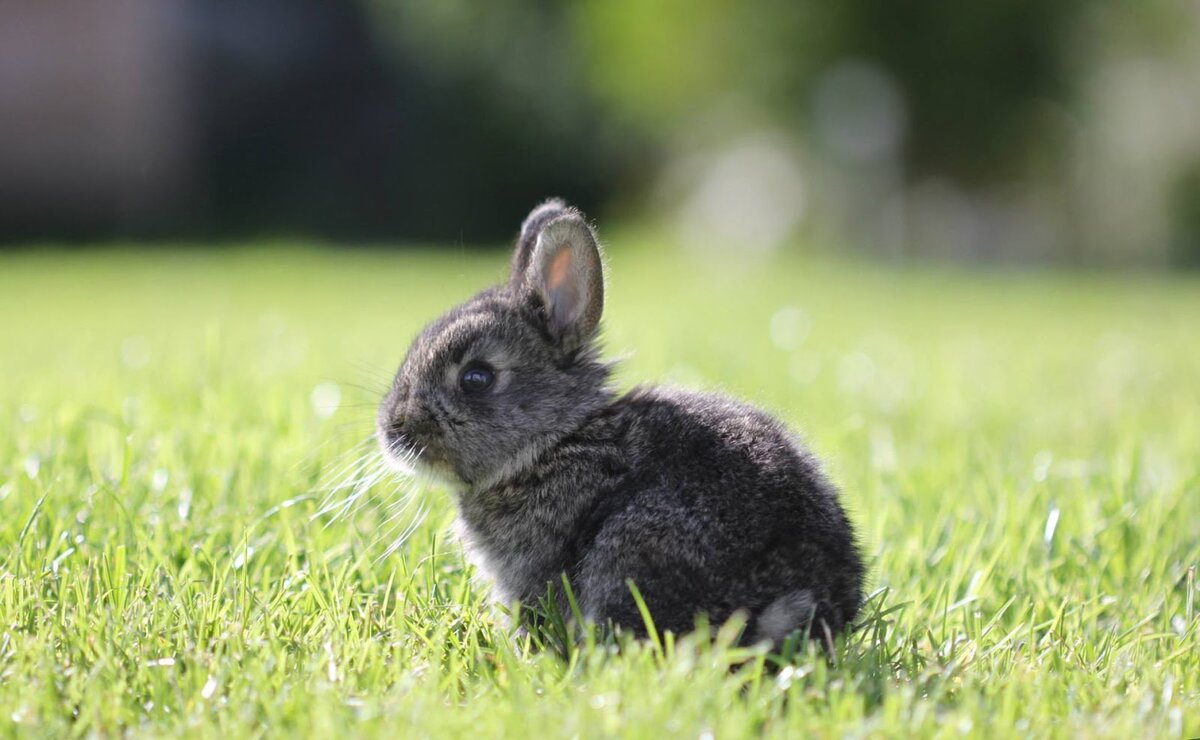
[[534, 222], [564, 280]]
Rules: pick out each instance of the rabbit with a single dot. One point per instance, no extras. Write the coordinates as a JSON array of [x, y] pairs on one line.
[[707, 505]]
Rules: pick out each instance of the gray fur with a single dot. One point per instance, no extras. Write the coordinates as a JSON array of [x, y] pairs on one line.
[[708, 505]]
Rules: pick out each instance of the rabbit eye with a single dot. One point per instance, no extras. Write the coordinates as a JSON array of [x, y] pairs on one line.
[[477, 377]]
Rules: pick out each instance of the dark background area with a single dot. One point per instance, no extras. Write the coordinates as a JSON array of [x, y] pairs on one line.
[[994, 131], [286, 116]]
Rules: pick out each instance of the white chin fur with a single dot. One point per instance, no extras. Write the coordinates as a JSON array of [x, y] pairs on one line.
[[409, 467]]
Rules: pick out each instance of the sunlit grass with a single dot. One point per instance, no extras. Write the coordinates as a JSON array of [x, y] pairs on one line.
[[1021, 452]]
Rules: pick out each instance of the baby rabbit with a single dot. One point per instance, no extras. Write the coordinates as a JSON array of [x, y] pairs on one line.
[[707, 505]]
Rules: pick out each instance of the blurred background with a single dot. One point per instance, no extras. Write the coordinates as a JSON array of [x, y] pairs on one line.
[[1007, 131]]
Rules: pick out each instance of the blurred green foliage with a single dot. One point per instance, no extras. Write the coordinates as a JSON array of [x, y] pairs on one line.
[[999, 130], [1013, 109], [974, 74]]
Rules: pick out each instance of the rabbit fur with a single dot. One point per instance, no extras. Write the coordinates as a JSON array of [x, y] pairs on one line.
[[707, 505]]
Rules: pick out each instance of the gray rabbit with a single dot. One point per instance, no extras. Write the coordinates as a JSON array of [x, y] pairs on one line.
[[707, 505]]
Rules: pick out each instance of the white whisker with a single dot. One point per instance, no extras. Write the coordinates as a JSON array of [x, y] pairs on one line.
[[399, 541], [352, 485]]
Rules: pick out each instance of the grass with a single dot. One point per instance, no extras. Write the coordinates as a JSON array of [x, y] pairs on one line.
[[1020, 451]]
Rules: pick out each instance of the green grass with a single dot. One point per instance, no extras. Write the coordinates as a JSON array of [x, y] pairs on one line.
[[1021, 452]]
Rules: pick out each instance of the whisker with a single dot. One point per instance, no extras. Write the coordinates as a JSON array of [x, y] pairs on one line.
[[399, 541], [314, 455], [352, 483], [352, 478], [345, 476], [361, 487]]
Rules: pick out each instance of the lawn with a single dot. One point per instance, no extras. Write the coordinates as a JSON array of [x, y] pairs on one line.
[[1020, 450]]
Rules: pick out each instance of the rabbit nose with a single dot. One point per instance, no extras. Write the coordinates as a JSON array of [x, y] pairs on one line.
[[408, 422], [419, 421], [395, 428]]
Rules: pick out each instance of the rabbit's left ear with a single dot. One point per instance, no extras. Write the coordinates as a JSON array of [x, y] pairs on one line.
[[565, 272]]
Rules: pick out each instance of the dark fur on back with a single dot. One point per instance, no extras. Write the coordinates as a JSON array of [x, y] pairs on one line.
[[708, 505]]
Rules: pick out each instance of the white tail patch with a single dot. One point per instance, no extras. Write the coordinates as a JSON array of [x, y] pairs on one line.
[[791, 611]]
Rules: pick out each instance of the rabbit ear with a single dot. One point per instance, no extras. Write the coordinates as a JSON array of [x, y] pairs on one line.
[[534, 222], [565, 272]]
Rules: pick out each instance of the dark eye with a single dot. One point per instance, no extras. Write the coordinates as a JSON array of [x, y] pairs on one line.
[[477, 377]]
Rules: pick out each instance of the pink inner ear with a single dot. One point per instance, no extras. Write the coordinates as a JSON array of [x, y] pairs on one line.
[[561, 287], [560, 266]]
